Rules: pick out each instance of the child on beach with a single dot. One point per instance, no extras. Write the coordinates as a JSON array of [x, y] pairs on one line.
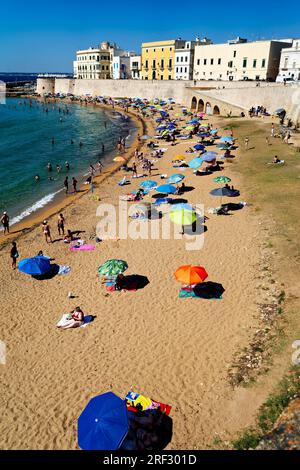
[[14, 255]]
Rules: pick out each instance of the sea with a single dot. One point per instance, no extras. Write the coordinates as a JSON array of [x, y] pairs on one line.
[[27, 128]]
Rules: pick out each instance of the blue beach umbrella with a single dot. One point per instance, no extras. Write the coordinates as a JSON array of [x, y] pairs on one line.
[[166, 189], [221, 192], [214, 131], [203, 134], [226, 139], [182, 206], [103, 424], [174, 179], [148, 184], [199, 147], [209, 156], [195, 163], [36, 266]]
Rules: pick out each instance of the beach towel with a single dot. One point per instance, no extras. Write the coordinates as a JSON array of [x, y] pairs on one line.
[[187, 294], [63, 270], [87, 320], [128, 197], [83, 248], [134, 400]]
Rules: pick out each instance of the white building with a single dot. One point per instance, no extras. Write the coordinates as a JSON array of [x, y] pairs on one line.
[[290, 63], [184, 58], [135, 67], [238, 60], [121, 67], [93, 63]]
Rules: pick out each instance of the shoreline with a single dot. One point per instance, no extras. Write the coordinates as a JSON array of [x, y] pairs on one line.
[[61, 201]]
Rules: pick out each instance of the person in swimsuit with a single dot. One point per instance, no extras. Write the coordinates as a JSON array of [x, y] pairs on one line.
[[46, 230], [73, 320], [61, 224], [5, 222]]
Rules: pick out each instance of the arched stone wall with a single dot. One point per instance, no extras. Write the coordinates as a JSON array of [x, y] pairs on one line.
[[200, 105], [216, 110], [194, 103]]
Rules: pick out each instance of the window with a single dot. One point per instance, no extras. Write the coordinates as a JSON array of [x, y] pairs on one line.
[[286, 61], [153, 50], [186, 58], [263, 63], [185, 69], [146, 64], [244, 63], [162, 48], [170, 62], [153, 63], [234, 53], [170, 77], [177, 59], [181, 58], [205, 60], [254, 63], [219, 61], [180, 69], [162, 63], [211, 61], [198, 61], [230, 64], [188, 46], [176, 69]]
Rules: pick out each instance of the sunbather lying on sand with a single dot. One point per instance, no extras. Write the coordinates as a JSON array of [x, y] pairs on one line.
[[72, 320]]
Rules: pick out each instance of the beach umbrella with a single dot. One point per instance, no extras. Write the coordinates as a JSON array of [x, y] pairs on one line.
[[112, 267], [203, 134], [119, 159], [214, 131], [178, 158], [166, 189], [196, 163], [146, 137], [221, 192], [208, 157], [222, 146], [103, 424], [162, 200], [36, 266], [222, 179], [189, 128], [190, 274], [182, 206], [148, 184], [209, 290], [183, 217], [226, 139], [279, 111], [204, 124], [174, 179], [199, 147]]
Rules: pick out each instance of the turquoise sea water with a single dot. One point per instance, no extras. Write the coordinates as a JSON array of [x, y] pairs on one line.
[[26, 147]]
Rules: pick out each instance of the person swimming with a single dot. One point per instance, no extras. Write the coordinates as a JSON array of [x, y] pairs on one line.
[[49, 167]]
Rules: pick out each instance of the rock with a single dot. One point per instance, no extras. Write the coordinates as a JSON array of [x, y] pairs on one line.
[[286, 432]]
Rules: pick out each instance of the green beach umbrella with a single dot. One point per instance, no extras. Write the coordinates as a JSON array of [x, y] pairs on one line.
[[222, 179], [183, 217], [112, 267], [189, 128]]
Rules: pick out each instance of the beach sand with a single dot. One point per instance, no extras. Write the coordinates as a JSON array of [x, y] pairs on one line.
[[174, 350]]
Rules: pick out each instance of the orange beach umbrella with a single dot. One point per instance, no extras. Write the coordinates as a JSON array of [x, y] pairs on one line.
[[190, 274]]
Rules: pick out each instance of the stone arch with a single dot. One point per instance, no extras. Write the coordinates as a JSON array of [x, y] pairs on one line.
[[216, 110], [200, 105], [208, 108], [194, 103]]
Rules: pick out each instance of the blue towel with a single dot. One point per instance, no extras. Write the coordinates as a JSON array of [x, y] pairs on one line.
[[186, 294]]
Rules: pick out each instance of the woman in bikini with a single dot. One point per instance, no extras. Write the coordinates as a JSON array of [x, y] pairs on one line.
[[46, 230]]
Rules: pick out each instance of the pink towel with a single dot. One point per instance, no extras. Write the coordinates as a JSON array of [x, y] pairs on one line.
[[83, 248]]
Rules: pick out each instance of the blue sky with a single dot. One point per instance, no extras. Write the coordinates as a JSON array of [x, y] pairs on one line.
[[43, 36]]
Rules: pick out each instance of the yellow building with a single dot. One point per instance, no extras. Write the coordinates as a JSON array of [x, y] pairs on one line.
[[158, 59]]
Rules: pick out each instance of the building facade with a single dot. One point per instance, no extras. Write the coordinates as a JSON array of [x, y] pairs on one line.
[[121, 67], [93, 63], [135, 67], [238, 60], [290, 62], [184, 61], [158, 59]]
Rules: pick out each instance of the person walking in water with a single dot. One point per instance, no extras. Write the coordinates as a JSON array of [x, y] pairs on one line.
[[61, 224], [100, 166], [74, 183], [47, 232], [49, 167], [67, 165], [14, 255], [66, 184], [5, 222], [103, 148]]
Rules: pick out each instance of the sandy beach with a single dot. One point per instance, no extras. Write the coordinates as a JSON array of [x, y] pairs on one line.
[[174, 350]]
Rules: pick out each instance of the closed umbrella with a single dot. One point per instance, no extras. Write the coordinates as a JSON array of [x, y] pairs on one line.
[[174, 179], [112, 267], [189, 274], [166, 189], [103, 424], [36, 266]]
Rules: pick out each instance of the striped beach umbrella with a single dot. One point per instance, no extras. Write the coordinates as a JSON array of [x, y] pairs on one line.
[[196, 163], [222, 179], [112, 267]]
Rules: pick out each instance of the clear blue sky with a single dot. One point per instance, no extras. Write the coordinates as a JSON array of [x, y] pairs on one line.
[[43, 36]]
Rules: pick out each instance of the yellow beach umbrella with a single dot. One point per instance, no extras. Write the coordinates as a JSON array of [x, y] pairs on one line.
[[119, 159], [178, 157], [183, 217]]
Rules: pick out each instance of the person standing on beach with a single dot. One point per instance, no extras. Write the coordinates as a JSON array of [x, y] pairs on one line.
[[14, 255], [100, 166], [246, 143], [46, 230], [272, 130], [61, 224], [92, 169], [66, 184], [5, 222], [74, 183], [134, 170]]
